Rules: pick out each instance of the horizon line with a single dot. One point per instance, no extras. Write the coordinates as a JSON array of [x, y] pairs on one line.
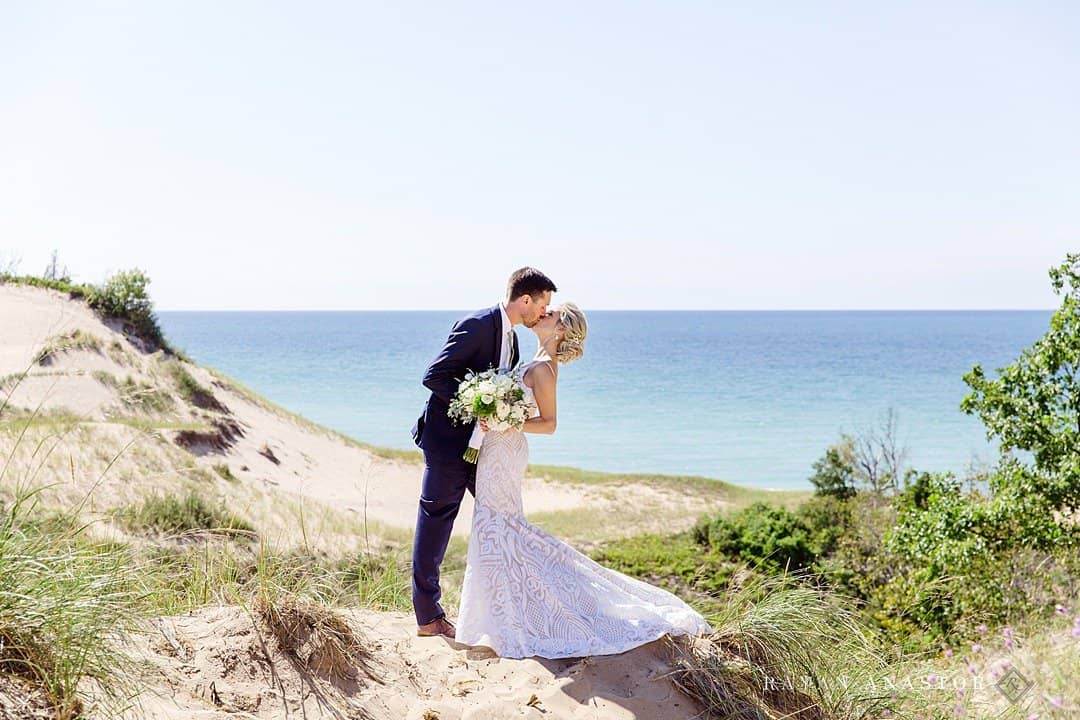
[[671, 310]]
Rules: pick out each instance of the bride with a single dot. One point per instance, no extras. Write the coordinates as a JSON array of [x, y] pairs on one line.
[[526, 593]]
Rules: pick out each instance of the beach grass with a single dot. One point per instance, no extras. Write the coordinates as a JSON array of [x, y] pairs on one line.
[[782, 649], [63, 599], [174, 514]]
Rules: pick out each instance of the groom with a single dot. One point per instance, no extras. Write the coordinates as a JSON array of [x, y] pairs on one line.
[[482, 340]]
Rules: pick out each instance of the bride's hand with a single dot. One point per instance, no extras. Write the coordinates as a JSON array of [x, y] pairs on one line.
[[483, 424]]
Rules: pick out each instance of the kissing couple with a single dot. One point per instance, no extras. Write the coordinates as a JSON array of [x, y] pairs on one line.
[[525, 593]]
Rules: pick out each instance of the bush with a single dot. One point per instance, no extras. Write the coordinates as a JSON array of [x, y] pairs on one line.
[[769, 537], [123, 296], [828, 519], [676, 563]]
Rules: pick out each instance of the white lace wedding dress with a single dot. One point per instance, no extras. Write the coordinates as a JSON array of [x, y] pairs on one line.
[[527, 593]]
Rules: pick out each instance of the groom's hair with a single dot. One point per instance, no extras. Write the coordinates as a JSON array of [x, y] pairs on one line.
[[528, 281]]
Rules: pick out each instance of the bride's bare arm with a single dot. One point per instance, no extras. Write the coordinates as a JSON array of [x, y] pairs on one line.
[[543, 387]]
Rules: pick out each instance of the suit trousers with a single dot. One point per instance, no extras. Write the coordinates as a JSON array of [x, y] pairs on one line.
[[445, 481]]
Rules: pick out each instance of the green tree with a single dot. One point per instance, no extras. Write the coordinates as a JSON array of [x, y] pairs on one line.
[[834, 472], [1034, 403]]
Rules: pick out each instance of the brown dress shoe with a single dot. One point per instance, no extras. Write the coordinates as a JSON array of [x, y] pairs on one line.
[[442, 626]]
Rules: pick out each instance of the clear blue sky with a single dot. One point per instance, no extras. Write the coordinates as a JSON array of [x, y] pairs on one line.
[[360, 155]]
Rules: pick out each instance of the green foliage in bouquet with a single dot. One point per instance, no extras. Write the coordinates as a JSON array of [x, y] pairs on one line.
[[482, 409]]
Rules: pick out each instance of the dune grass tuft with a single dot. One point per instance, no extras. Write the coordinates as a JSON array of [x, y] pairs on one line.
[[223, 471], [68, 342], [62, 599], [190, 389], [315, 637], [782, 649], [174, 514]]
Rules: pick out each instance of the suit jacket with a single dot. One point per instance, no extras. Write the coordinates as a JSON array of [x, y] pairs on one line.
[[474, 344]]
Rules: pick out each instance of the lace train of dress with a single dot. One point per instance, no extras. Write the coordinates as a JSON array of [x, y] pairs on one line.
[[526, 593]]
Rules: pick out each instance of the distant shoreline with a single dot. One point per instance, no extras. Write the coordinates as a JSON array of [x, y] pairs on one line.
[[641, 310]]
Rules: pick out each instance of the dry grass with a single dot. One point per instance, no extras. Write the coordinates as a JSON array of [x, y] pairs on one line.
[[316, 637]]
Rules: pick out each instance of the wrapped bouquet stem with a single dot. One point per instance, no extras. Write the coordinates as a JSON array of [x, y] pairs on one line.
[[496, 396]]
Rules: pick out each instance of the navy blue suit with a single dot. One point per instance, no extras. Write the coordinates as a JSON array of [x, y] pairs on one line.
[[475, 343]]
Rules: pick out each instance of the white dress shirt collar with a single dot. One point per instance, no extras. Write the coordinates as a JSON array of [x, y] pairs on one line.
[[506, 319], [506, 352]]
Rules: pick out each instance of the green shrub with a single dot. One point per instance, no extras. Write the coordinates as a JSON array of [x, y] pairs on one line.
[[769, 537], [123, 296], [828, 519], [677, 562]]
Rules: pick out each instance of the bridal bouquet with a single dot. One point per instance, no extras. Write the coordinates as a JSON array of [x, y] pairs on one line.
[[497, 396]]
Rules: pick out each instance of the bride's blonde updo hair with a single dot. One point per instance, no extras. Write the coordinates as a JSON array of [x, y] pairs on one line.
[[573, 343]]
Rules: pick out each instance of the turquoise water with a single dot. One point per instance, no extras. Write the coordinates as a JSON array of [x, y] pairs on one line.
[[750, 397]]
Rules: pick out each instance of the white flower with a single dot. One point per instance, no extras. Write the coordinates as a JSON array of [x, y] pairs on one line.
[[487, 399]]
